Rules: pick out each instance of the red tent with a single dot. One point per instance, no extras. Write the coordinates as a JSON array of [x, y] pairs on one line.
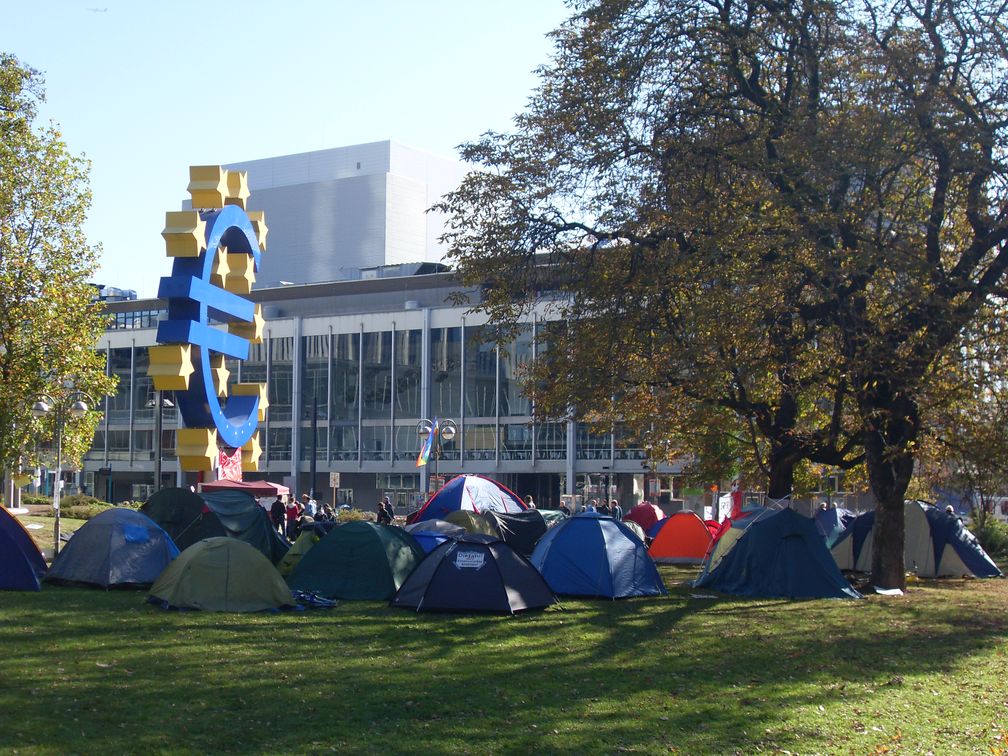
[[253, 487], [645, 515]]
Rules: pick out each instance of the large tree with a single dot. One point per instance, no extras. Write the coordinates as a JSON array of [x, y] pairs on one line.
[[792, 210], [50, 320]]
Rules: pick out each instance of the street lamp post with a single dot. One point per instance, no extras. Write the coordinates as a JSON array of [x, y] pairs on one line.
[[160, 403], [74, 403], [445, 431]]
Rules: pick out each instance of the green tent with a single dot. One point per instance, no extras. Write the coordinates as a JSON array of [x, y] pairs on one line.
[[190, 517], [221, 575], [359, 560]]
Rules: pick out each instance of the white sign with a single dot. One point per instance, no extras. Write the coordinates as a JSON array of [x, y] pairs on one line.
[[469, 560]]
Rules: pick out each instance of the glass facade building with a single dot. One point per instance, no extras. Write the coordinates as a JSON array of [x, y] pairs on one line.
[[353, 367]]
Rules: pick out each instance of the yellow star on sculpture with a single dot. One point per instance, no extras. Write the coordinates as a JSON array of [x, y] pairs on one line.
[[241, 273], [258, 218], [196, 448], [237, 188], [170, 366], [251, 453], [252, 331], [253, 389], [184, 233], [207, 186], [220, 373], [221, 268]]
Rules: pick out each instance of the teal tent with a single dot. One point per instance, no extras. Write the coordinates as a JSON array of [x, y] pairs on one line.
[[190, 517], [781, 554], [359, 560]]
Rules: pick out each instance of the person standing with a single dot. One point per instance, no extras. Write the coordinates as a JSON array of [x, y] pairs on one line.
[[385, 513], [278, 516], [294, 510], [529, 502], [310, 508], [615, 510], [603, 508]]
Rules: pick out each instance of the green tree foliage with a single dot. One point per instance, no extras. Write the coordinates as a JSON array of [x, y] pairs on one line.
[[790, 210], [49, 319]]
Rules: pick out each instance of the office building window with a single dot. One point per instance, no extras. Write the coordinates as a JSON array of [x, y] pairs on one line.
[[480, 442], [480, 374], [516, 441], [515, 360], [119, 402], [376, 375], [408, 368], [376, 441], [281, 380], [592, 445], [446, 372], [551, 441], [314, 376]]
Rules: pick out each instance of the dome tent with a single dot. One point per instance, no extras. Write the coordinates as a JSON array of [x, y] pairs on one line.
[[221, 575], [21, 562], [432, 533], [474, 573], [683, 538], [594, 555], [358, 560], [189, 517], [118, 547], [469, 492], [780, 554], [645, 515], [936, 545]]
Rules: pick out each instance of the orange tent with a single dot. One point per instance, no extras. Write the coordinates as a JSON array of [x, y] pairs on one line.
[[683, 539]]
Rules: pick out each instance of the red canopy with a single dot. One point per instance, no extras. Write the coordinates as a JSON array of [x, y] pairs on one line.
[[254, 487]]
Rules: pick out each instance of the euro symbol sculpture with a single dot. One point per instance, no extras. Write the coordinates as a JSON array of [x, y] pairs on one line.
[[217, 248]]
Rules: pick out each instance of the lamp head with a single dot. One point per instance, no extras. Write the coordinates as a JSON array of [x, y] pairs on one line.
[[41, 409]]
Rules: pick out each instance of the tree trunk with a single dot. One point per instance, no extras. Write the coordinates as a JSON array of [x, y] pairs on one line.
[[892, 420], [781, 474]]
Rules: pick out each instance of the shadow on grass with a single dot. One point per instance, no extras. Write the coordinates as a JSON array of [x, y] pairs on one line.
[[93, 671]]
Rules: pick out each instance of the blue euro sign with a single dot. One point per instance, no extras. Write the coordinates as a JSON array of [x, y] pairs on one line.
[[192, 302]]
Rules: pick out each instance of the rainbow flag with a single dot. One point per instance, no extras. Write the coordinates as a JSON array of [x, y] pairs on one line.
[[425, 450]]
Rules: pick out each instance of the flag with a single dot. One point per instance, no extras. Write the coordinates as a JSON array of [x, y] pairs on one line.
[[229, 465], [425, 450]]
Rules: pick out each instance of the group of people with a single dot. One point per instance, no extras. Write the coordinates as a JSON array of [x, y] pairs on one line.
[[288, 517], [609, 508]]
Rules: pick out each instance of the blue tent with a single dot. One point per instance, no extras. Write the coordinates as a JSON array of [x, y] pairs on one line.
[[119, 547], [780, 555], [936, 544], [594, 555], [21, 563]]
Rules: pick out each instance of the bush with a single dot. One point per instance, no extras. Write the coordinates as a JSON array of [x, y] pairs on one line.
[[350, 515], [992, 534]]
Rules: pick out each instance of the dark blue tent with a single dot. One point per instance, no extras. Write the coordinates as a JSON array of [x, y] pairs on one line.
[[831, 522], [21, 563], [780, 555], [474, 573], [119, 547], [594, 555]]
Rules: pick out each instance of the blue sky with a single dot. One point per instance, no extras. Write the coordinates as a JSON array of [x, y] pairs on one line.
[[144, 90]]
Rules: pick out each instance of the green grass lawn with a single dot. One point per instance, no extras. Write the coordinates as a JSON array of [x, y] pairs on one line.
[[93, 671]]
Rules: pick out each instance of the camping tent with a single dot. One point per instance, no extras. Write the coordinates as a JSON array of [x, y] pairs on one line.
[[118, 547], [521, 530], [832, 521], [780, 554], [473, 522], [255, 487], [469, 492], [594, 555], [307, 538], [645, 515], [359, 560], [21, 562], [432, 533], [474, 573], [683, 539], [936, 545], [221, 575], [190, 517]]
